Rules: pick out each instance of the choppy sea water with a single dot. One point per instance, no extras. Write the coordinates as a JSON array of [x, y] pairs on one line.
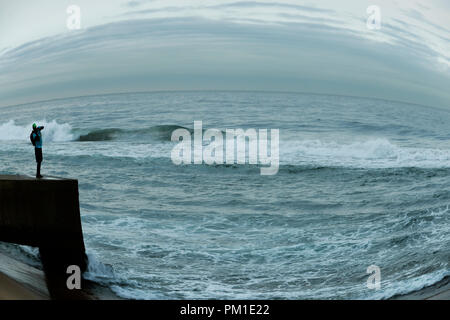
[[361, 182]]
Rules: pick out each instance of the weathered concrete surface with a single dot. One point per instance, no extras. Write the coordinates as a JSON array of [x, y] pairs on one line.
[[40, 212], [44, 213]]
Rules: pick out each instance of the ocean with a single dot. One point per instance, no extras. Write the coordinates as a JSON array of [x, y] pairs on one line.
[[361, 182]]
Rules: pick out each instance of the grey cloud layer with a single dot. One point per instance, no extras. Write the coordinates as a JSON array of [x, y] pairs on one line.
[[299, 53]]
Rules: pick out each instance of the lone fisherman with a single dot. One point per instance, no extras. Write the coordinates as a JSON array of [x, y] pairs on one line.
[[36, 140]]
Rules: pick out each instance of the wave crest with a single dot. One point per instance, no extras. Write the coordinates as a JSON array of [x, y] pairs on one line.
[[159, 133], [63, 132], [100, 135], [53, 132], [371, 153]]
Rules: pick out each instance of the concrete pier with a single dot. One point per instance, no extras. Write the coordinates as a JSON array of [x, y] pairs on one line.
[[45, 213]]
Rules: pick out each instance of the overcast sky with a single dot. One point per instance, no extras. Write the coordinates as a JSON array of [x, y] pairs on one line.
[[321, 46]]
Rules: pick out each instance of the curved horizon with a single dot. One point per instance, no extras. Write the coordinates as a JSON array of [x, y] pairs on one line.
[[220, 90], [282, 46]]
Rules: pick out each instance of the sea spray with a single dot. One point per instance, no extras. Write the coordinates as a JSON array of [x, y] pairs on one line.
[[53, 132]]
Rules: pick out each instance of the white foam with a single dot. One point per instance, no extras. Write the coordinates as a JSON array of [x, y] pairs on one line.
[[97, 271], [53, 131], [371, 153], [410, 285], [137, 151]]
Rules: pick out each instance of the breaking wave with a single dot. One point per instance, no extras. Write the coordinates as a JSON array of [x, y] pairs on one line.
[[369, 153], [54, 131], [160, 132], [63, 132]]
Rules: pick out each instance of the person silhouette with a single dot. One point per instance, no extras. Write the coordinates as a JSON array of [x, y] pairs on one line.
[[36, 140]]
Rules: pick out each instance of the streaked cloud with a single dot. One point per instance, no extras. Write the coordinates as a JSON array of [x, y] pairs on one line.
[[316, 46]]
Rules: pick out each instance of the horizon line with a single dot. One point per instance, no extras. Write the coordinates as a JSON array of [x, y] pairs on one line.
[[222, 90]]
